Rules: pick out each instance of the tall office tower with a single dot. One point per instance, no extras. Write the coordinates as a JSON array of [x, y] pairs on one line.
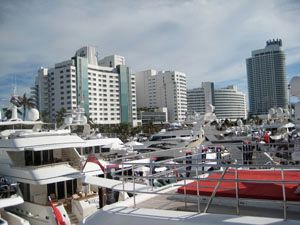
[[229, 102], [106, 92], [199, 99], [163, 89], [266, 74]]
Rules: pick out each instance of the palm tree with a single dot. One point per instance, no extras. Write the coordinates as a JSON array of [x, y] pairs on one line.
[[123, 129], [27, 103], [44, 117], [150, 128], [135, 130], [7, 112]]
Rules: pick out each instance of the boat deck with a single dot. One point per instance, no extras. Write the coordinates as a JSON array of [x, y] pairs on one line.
[[170, 201], [165, 206], [120, 214]]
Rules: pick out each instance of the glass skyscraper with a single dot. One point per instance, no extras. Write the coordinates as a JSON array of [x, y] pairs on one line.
[[266, 73]]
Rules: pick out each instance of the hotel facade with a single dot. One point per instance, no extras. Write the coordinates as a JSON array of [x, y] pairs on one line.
[[104, 88], [163, 89], [229, 102]]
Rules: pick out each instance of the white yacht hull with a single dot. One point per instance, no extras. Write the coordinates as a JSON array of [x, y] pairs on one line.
[[38, 214], [11, 218]]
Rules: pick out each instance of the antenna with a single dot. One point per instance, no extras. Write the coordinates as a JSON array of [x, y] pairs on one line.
[[14, 86]]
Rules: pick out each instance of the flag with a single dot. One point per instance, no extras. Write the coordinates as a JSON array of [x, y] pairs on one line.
[[57, 214]]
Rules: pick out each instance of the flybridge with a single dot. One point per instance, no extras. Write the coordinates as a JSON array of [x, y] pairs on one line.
[[43, 142]]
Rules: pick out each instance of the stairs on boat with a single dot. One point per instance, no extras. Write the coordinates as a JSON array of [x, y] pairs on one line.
[[73, 218], [70, 156]]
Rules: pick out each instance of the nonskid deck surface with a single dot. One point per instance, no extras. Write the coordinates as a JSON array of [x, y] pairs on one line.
[[172, 202], [247, 189], [136, 216]]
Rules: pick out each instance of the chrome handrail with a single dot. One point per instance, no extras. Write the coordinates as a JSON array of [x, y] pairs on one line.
[[232, 168]]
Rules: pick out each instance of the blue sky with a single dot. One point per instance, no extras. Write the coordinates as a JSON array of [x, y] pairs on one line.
[[208, 40]]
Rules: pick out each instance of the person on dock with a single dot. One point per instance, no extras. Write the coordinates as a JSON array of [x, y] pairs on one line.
[[247, 152], [188, 162]]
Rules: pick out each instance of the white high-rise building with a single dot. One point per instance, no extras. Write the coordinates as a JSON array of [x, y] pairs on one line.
[[40, 90], [199, 99], [163, 89], [106, 92], [267, 84], [229, 102]]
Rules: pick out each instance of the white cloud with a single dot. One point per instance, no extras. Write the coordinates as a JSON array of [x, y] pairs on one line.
[[208, 40]]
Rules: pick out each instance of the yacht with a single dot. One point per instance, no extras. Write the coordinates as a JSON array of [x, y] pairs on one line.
[[165, 141], [49, 163], [172, 135]]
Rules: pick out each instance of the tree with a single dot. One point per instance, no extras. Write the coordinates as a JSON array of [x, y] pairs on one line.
[[123, 129], [7, 112], [60, 116], [135, 130], [27, 103], [257, 120], [45, 117], [150, 128]]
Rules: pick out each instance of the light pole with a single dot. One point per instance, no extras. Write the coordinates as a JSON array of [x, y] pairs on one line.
[[289, 101]]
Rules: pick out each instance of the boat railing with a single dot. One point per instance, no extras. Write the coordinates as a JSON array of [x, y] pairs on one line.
[[179, 172], [172, 152], [41, 166]]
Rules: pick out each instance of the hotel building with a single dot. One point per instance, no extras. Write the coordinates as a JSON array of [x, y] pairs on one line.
[[105, 88], [163, 89], [229, 102], [267, 84]]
